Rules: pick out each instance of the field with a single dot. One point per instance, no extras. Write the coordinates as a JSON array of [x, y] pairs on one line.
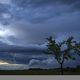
[[67, 71]]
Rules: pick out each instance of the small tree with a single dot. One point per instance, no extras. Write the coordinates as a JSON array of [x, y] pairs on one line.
[[61, 54], [77, 48]]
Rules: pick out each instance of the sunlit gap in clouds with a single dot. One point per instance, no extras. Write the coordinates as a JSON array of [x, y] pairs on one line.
[[5, 33], [3, 62], [4, 65]]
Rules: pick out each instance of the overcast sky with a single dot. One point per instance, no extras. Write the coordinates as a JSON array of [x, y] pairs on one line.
[[25, 22], [29, 22]]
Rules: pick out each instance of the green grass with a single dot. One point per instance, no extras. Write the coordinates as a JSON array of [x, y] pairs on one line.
[[67, 71]]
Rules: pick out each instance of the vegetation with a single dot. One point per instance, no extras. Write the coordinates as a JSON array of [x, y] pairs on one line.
[[60, 53], [67, 71]]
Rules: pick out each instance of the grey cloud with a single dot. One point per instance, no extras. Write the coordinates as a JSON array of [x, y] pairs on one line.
[[5, 1], [48, 21], [5, 15], [33, 60], [46, 63], [68, 23], [38, 14], [42, 2], [75, 4], [50, 62], [33, 21], [3, 8]]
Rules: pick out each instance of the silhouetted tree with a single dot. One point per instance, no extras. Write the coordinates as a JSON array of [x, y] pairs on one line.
[[60, 53], [77, 48]]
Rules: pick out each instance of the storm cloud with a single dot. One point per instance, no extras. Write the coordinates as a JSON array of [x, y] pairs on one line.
[[34, 20], [30, 22]]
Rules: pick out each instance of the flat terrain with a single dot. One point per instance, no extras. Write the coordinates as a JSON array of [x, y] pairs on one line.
[[67, 71]]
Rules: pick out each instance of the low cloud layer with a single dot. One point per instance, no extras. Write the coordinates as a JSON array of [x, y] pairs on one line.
[[36, 61]]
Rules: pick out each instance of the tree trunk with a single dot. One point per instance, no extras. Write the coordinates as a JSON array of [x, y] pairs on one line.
[[61, 68]]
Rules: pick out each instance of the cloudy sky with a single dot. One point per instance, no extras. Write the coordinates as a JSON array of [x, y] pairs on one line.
[[25, 22], [30, 22]]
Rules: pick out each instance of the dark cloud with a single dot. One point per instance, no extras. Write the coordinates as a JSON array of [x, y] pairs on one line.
[[34, 20], [5, 15], [37, 33], [72, 4], [66, 22], [25, 25], [38, 3], [32, 56], [20, 10], [3, 8]]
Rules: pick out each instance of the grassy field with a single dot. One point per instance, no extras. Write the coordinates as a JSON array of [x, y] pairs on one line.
[[67, 71]]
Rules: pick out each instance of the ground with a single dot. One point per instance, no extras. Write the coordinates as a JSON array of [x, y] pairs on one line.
[[67, 71]]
